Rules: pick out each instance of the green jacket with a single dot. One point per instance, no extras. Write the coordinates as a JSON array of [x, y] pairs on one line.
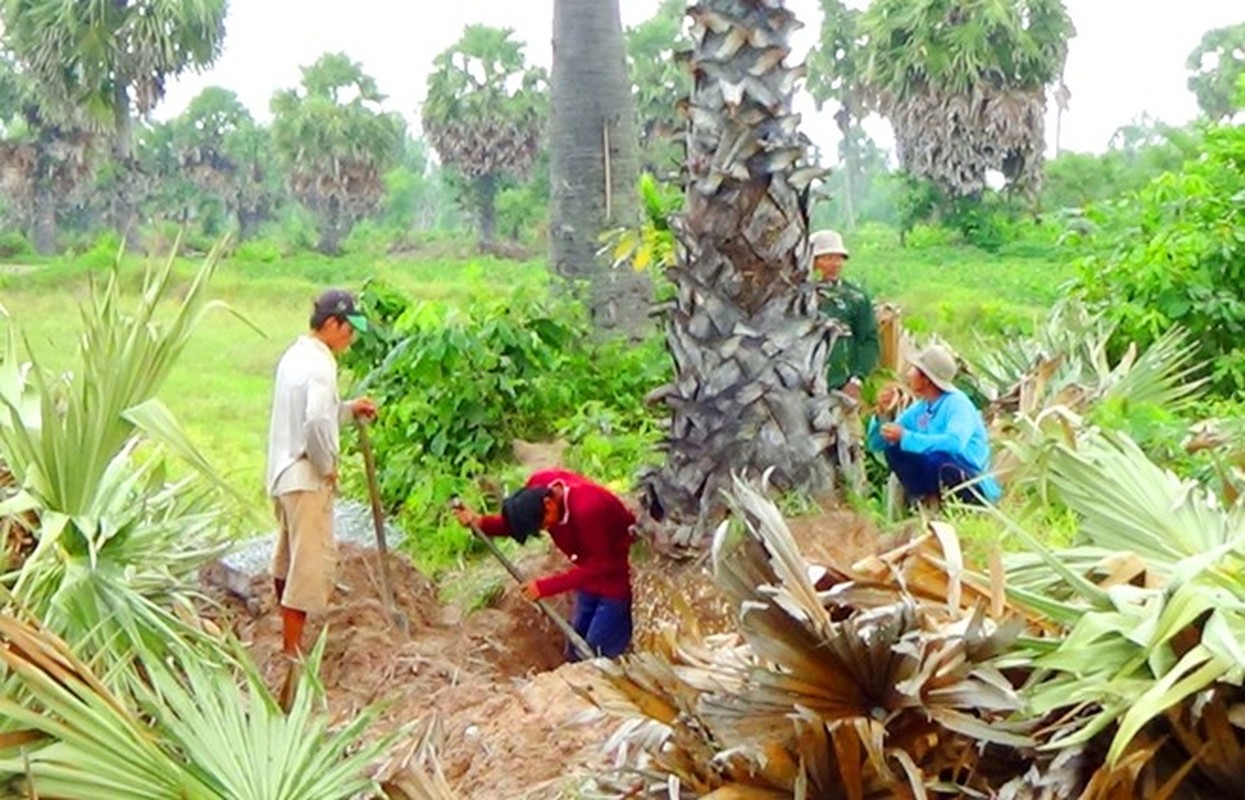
[[855, 355]]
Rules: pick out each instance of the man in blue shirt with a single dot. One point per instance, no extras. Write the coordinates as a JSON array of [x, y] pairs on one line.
[[939, 444]]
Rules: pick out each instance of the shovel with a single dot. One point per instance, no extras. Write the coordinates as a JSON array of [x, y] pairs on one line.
[[581, 646], [398, 619]]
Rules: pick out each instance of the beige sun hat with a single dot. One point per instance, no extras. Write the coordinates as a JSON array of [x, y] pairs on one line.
[[828, 242], [938, 365]]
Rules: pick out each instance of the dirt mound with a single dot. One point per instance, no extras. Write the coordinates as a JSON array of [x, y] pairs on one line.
[[494, 677]]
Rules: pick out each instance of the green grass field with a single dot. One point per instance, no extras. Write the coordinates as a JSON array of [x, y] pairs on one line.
[[220, 390]]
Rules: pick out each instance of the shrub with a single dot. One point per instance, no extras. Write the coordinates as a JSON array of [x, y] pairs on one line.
[[458, 386], [1174, 255], [13, 243]]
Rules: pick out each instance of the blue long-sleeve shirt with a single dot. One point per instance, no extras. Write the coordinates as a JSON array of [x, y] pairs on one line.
[[952, 425]]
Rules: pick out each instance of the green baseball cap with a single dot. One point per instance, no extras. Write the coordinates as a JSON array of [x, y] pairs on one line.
[[341, 304]]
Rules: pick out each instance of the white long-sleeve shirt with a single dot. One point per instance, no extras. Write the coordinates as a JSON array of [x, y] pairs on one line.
[[303, 441]]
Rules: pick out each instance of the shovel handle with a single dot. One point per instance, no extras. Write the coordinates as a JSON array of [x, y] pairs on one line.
[[378, 516], [581, 646]]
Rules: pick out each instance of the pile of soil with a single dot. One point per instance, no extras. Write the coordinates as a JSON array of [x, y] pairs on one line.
[[494, 678]]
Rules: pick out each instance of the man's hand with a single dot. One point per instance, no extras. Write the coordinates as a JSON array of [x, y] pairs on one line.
[[888, 398], [363, 408], [530, 592], [892, 433], [466, 517]]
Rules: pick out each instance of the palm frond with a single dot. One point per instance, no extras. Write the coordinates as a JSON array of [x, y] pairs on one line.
[[185, 727], [888, 697]]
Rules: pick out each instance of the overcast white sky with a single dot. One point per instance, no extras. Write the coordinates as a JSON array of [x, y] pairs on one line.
[[1127, 58]]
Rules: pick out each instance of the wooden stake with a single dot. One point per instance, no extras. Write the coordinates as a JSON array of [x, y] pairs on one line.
[[609, 184]]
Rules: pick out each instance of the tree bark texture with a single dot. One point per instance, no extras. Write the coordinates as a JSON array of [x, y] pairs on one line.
[[593, 153], [748, 343]]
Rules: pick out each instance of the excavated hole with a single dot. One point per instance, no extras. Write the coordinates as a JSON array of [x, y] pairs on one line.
[[495, 677]]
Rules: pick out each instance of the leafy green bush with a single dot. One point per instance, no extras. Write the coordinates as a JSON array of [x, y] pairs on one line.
[[263, 251], [13, 243], [1175, 256], [103, 252], [458, 385]]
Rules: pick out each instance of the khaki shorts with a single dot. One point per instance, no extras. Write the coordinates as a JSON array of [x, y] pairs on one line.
[[306, 555]]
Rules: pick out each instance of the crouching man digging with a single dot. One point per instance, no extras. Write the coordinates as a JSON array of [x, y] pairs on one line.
[[303, 452], [592, 527], [939, 444]]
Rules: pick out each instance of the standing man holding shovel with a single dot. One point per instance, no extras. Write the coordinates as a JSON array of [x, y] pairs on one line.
[[592, 527], [303, 456]]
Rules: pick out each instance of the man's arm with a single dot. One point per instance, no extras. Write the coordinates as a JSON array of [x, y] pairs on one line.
[[320, 428], [865, 337], [956, 430]]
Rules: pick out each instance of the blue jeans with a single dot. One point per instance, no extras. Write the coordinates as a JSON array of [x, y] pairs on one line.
[[605, 623], [925, 474]]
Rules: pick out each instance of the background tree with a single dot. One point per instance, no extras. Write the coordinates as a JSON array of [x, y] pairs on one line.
[[227, 157], [168, 194], [660, 82], [483, 115], [963, 83], [748, 346], [874, 188], [43, 162], [416, 195], [109, 62], [335, 144], [1136, 154], [593, 161], [1217, 65], [835, 67]]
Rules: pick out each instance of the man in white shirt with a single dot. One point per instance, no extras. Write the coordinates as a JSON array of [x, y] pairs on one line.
[[303, 453]]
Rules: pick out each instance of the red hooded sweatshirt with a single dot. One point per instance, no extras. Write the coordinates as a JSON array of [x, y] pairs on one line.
[[594, 533]]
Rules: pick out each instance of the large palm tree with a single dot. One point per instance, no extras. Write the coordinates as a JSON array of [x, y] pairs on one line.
[[227, 156], [748, 347], [483, 115], [45, 158], [593, 160], [112, 59], [336, 144], [963, 83]]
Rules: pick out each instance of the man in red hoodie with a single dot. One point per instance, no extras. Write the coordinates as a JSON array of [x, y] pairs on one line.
[[592, 527]]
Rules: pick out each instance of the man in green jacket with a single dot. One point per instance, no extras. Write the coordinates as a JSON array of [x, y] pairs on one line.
[[856, 349], [854, 356]]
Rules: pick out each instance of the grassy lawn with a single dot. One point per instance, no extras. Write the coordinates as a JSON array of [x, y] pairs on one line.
[[960, 293], [220, 390]]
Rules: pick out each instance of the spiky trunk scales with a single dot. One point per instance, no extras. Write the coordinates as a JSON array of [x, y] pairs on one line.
[[748, 345]]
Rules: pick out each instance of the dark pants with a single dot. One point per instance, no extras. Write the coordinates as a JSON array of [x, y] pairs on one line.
[[926, 474], [604, 623]]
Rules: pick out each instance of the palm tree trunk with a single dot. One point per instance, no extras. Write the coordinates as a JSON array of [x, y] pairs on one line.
[[486, 210], [125, 203], [43, 216], [332, 227], [851, 163], [748, 343], [594, 161]]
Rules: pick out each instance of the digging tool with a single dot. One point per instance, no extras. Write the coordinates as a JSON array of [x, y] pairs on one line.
[[577, 641], [378, 521]]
